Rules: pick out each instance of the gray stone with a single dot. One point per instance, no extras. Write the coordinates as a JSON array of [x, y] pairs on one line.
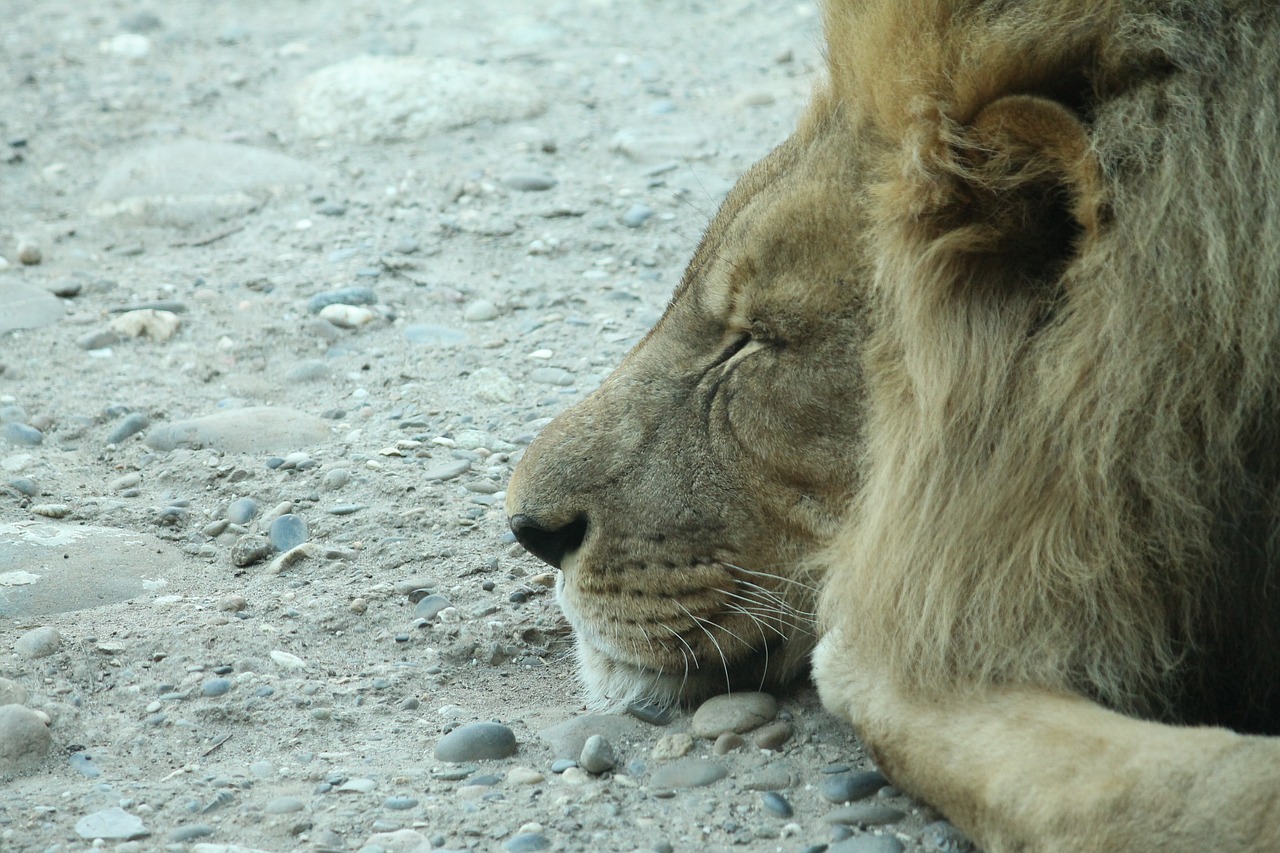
[[335, 478], [242, 510], [256, 429], [98, 339], [284, 805], [342, 296], [637, 215], [477, 742], [38, 642], [47, 567], [448, 471], [400, 804], [847, 787], [192, 182], [772, 778], [530, 183], [25, 486], [597, 755], [24, 739], [21, 434], [648, 712], [568, 738], [733, 712], [430, 606], [772, 735], [130, 425], [388, 99], [687, 773], [113, 824], [216, 686], [492, 386], [776, 803], [190, 832], [23, 306], [480, 311], [287, 531], [562, 764], [551, 376], [526, 842], [12, 693], [864, 814], [867, 844], [250, 549], [428, 334]]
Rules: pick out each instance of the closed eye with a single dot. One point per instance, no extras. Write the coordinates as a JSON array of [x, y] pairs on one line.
[[735, 346]]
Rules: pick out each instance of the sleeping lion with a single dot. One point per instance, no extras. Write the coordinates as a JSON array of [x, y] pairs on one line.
[[970, 395]]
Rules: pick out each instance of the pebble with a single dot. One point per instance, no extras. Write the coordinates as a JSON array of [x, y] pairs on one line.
[[24, 739], [551, 376], [776, 803], [400, 803], [646, 712], [727, 743], [232, 603], [21, 434], [113, 824], [477, 742], [342, 296], [25, 486], [97, 339], [733, 712], [768, 779], [448, 471], [687, 773], [307, 371], [597, 755], [132, 424], [526, 842], [430, 606], [288, 531], [148, 323], [284, 805], [480, 311], [357, 786], [216, 686], [637, 215], [38, 642], [867, 844], [66, 288], [242, 510], [190, 832], [864, 814], [562, 764], [671, 746], [847, 787], [287, 660], [530, 183], [772, 735], [29, 253], [12, 693], [335, 478], [492, 386], [347, 316], [525, 776], [51, 510], [250, 549], [567, 738]]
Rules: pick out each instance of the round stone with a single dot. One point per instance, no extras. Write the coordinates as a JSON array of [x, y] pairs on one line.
[[242, 510], [562, 764], [130, 425], [597, 755], [335, 478], [216, 687], [847, 787], [480, 311], [864, 814], [772, 735], [190, 832], [477, 742], [637, 215], [287, 531], [21, 434], [687, 773], [776, 803], [733, 712], [429, 607], [248, 550], [400, 803], [530, 183], [38, 642], [24, 739]]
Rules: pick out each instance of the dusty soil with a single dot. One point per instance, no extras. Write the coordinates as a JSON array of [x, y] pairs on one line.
[[513, 257]]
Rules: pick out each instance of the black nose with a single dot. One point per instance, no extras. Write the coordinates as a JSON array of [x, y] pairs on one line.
[[549, 544]]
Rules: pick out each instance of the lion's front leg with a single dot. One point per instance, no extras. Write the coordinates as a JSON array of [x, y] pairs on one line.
[[1029, 770]]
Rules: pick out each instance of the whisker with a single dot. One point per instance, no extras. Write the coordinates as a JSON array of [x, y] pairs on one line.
[[771, 576], [724, 662]]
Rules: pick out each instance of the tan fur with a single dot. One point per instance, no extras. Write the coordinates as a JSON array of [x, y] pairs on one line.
[[1011, 307]]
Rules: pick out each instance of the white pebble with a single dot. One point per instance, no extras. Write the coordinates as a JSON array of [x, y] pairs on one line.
[[346, 316]]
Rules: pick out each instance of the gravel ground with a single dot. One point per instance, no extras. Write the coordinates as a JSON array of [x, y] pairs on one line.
[[287, 287]]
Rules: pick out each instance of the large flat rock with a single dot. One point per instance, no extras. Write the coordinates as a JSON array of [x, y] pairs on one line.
[[25, 307], [256, 429]]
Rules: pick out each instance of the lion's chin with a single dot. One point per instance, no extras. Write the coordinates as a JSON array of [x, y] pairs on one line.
[[613, 684]]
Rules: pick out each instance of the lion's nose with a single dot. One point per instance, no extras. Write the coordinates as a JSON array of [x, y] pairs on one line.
[[549, 544]]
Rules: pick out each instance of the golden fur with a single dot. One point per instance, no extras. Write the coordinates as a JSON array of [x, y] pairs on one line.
[[987, 352]]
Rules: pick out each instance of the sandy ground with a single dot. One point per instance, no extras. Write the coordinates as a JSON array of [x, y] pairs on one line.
[[512, 189]]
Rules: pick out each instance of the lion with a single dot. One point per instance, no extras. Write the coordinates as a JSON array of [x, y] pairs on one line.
[[970, 394]]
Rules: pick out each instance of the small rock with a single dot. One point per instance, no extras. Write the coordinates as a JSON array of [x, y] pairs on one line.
[[190, 832], [562, 764], [38, 642], [21, 434], [12, 693], [307, 371], [429, 607], [687, 773], [447, 471], [525, 776], [25, 486], [646, 712], [132, 424], [676, 745], [24, 739], [727, 743], [242, 510], [347, 316], [357, 786], [597, 755], [480, 311], [776, 803], [864, 814], [216, 686], [51, 510], [65, 288], [287, 532], [232, 603], [637, 215], [772, 735], [551, 376], [286, 660], [99, 339], [284, 805], [113, 824], [568, 738], [400, 804], [335, 478], [526, 842], [847, 787], [530, 183], [147, 323], [29, 253], [492, 386], [250, 549], [477, 742], [733, 712]]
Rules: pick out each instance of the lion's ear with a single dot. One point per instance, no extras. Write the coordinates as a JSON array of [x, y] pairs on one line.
[[1021, 188]]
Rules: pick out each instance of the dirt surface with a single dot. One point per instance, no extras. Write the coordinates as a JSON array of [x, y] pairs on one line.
[[498, 200]]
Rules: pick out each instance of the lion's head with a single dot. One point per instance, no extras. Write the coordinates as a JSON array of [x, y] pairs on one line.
[[681, 499]]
